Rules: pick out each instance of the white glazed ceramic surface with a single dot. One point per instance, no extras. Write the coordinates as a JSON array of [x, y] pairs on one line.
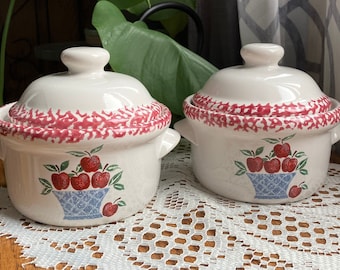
[[261, 87], [261, 157], [84, 147]]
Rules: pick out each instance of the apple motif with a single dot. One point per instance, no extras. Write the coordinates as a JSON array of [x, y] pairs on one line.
[[60, 180], [254, 164], [110, 209], [282, 150], [90, 164], [294, 191], [80, 182], [100, 179], [289, 164], [272, 166]]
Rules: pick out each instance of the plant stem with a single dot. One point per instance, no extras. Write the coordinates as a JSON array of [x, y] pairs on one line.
[[3, 49], [149, 3]]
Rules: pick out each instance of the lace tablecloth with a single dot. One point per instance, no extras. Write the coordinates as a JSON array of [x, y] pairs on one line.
[[187, 227]]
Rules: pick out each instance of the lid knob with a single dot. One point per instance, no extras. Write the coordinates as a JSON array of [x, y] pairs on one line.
[[85, 59], [262, 54]]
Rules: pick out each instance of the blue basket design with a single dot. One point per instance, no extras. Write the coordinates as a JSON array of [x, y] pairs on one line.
[[271, 186], [82, 204]]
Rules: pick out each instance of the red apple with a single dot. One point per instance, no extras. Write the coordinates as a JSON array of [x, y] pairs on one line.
[[282, 150], [90, 164], [254, 164], [272, 166], [80, 182], [294, 191], [289, 164], [110, 209], [100, 179], [60, 180]]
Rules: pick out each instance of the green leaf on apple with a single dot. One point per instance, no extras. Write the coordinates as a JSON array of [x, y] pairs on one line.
[[77, 153], [247, 153], [303, 171], [240, 165], [118, 186], [240, 172], [259, 151], [300, 154], [242, 168], [121, 203], [47, 186], [304, 186], [271, 140], [51, 168], [271, 154], [288, 138], [79, 168], [112, 167], [116, 178], [302, 164], [97, 149], [64, 165]]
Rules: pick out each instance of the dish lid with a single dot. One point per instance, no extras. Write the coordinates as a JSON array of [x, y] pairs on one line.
[[87, 97], [261, 87]]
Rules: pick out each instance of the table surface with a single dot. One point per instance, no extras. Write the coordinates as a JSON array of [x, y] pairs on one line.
[[185, 227]]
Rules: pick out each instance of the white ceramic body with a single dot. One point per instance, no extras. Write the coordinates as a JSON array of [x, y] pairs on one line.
[[219, 160], [30, 163]]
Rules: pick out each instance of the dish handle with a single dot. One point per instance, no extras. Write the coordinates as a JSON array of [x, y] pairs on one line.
[[186, 130], [167, 141]]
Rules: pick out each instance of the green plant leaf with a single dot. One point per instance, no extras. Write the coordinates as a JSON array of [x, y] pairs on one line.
[[240, 165], [259, 151], [47, 186], [302, 164], [112, 167], [160, 15], [115, 179], [79, 168], [271, 140], [46, 191], [51, 168], [118, 186], [288, 137], [303, 172], [45, 182], [240, 172], [175, 24], [271, 154], [77, 153], [247, 153], [125, 4], [64, 165], [97, 149], [121, 203], [169, 71], [300, 154]]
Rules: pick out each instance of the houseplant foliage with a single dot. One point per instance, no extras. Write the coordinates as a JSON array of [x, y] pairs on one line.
[[168, 70], [173, 21]]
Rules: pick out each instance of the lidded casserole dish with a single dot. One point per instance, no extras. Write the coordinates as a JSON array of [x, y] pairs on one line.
[[86, 102], [255, 124], [84, 147]]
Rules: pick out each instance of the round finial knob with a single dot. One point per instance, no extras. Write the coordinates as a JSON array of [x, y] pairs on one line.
[[85, 59], [262, 54]]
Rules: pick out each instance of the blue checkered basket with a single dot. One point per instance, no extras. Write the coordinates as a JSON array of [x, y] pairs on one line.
[[271, 186], [81, 204]]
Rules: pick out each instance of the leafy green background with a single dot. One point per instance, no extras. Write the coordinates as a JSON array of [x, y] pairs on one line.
[[168, 70]]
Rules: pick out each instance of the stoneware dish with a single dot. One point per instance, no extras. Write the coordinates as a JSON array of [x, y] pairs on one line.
[[84, 147], [261, 132]]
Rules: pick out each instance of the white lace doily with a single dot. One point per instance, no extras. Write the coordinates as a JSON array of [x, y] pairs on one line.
[[187, 227]]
